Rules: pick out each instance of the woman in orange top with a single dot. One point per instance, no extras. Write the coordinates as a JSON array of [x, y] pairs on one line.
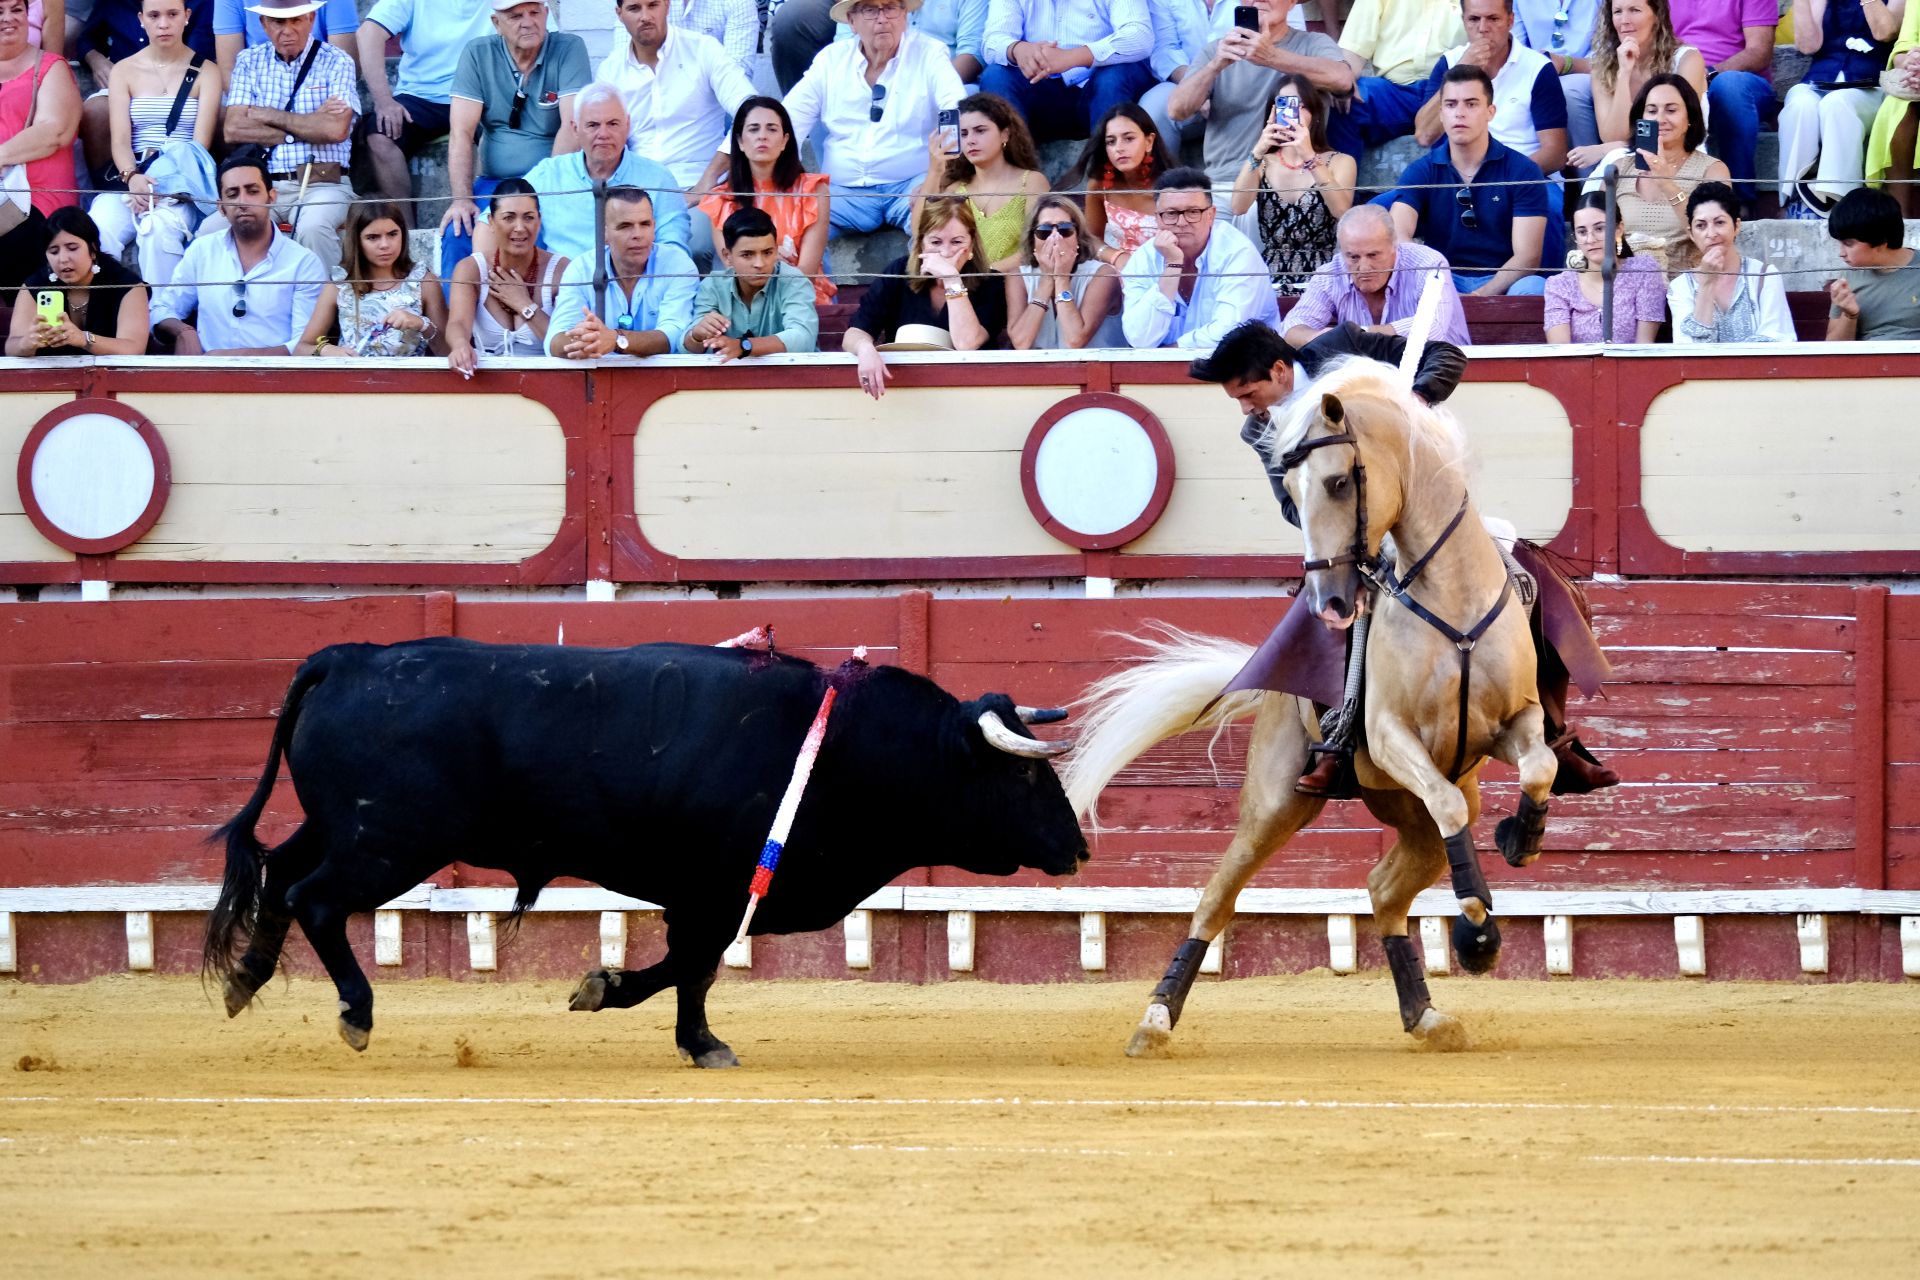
[[766, 162]]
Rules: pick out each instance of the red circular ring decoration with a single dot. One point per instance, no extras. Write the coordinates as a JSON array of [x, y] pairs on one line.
[[1162, 484], [162, 477]]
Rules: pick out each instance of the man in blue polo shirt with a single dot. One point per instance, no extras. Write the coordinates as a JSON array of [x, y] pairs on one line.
[[1480, 203]]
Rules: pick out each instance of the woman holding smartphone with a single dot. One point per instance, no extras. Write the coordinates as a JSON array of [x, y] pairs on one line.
[[1301, 184], [94, 306], [997, 170], [1655, 183]]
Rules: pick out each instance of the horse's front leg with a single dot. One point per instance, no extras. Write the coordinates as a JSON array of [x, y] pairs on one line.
[[1411, 865], [1395, 748], [1523, 744], [1271, 811]]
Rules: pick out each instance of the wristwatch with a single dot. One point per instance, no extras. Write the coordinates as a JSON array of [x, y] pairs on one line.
[[1065, 295], [746, 345], [620, 342], [529, 311]]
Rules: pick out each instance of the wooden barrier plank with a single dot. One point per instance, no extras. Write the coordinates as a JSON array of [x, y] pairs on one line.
[[53, 752], [105, 691], [822, 626], [1744, 599], [199, 630], [1730, 666], [1769, 631]]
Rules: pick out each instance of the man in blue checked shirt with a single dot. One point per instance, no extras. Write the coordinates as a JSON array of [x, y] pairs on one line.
[[248, 291], [648, 301], [298, 97], [1065, 63]]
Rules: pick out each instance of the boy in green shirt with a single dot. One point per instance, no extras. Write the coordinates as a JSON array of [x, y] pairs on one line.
[[759, 305]]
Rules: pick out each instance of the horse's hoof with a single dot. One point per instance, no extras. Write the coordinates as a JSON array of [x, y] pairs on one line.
[[238, 995], [1154, 1035], [356, 1037], [719, 1058], [1439, 1032], [1477, 946], [590, 996]]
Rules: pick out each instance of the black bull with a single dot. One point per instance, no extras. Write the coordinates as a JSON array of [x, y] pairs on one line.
[[653, 771]]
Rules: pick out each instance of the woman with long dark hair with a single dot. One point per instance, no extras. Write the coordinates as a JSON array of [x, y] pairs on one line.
[[997, 170], [1575, 296], [1117, 170], [103, 306], [1301, 184], [1654, 186], [388, 304], [503, 307], [765, 172]]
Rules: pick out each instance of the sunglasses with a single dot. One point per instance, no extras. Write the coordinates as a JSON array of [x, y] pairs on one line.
[[1561, 17], [879, 103], [239, 298], [1043, 230], [1463, 200], [519, 105]]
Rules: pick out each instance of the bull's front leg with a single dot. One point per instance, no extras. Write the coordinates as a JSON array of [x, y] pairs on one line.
[[695, 1039]]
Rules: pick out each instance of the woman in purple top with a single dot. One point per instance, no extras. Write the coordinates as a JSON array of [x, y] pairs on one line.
[[1573, 296]]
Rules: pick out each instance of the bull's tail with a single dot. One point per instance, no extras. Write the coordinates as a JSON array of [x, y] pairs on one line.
[[1167, 692], [239, 903]]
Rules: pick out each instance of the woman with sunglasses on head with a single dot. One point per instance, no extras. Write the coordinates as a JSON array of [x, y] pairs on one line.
[[1575, 296], [947, 286], [1117, 170], [997, 170], [503, 307], [1302, 185], [765, 173], [1073, 298], [1725, 297], [388, 304], [103, 306]]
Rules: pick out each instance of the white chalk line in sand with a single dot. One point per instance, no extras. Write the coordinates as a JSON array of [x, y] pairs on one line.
[[1224, 1104], [1870, 1162]]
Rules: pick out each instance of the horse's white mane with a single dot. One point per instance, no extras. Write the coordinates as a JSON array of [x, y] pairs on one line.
[[1357, 376]]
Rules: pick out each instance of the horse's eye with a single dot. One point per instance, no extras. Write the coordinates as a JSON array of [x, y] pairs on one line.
[[1337, 486]]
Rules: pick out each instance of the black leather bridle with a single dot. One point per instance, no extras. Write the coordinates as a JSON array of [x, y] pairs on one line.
[[1368, 562]]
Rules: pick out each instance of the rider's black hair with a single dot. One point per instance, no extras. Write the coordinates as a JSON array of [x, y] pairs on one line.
[[1247, 354]]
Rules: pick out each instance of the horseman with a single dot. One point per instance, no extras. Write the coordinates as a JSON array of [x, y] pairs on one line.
[[1255, 366]]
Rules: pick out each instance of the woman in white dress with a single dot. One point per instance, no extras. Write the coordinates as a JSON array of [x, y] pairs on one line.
[[1725, 298], [502, 307]]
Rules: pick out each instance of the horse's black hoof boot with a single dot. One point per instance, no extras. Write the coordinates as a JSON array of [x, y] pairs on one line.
[[1476, 946]]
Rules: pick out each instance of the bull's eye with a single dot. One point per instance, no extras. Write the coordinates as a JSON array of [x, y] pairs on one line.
[[1337, 486]]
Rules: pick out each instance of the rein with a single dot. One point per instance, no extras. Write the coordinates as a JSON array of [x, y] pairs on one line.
[[1383, 578]]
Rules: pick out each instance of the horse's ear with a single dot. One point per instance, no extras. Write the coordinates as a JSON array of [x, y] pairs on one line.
[[1331, 409]]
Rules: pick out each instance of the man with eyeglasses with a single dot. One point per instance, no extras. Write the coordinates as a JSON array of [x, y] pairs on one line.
[[1531, 111], [248, 291], [1477, 201], [1064, 64], [1197, 278], [1563, 31], [298, 96], [800, 29], [512, 108], [877, 97], [647, 302]]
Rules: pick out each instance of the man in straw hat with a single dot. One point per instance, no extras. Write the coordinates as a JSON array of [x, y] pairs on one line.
[[878, 96], [297, 96]]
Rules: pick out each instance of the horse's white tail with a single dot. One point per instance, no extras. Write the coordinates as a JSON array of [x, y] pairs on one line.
[[1151, 700]]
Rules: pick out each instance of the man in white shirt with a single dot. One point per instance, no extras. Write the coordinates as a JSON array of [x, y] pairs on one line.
[[734, 23], [681, 90], [246, 291], [1197, 278], [878, 97], [1064, 64]]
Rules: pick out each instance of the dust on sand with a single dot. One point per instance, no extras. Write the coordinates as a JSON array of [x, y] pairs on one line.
[[963, 1128]]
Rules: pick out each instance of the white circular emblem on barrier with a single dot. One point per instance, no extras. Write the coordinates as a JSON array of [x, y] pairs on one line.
[[93, 476], [1098, 470]]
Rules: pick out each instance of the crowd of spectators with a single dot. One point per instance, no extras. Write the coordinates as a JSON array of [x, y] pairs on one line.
[[215, 166]]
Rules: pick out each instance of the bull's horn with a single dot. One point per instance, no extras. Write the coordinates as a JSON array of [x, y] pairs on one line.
[[1040, 715], [1017, 744]]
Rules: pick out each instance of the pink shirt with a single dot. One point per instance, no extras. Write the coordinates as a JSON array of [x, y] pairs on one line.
[[1717, 27], [1639, 293], [50, 177]]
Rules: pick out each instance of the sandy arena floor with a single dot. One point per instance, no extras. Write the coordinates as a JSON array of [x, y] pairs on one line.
[[1599, 1128]]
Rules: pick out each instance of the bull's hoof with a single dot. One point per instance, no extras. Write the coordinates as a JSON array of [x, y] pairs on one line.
[[591, 995], [1477, 946], [1154, 1036], [1439, 1032], [718, 1058], [356, 1037], [238, 992]]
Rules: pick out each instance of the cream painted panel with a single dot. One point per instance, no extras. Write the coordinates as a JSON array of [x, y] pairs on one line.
[[388, 478], [1221, 505], [1784, 464], [828, 473], [19, 540]]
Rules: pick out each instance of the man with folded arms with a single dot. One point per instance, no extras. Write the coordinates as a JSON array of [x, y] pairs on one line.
[[647, 302]]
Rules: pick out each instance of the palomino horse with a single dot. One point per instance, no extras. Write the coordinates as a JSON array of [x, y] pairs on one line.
[[1450, 682]]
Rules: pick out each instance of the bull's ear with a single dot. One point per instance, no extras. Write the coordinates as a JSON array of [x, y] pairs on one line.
[[1331, 409]]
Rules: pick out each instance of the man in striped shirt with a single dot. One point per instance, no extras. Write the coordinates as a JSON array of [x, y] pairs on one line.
[[297, 97]]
